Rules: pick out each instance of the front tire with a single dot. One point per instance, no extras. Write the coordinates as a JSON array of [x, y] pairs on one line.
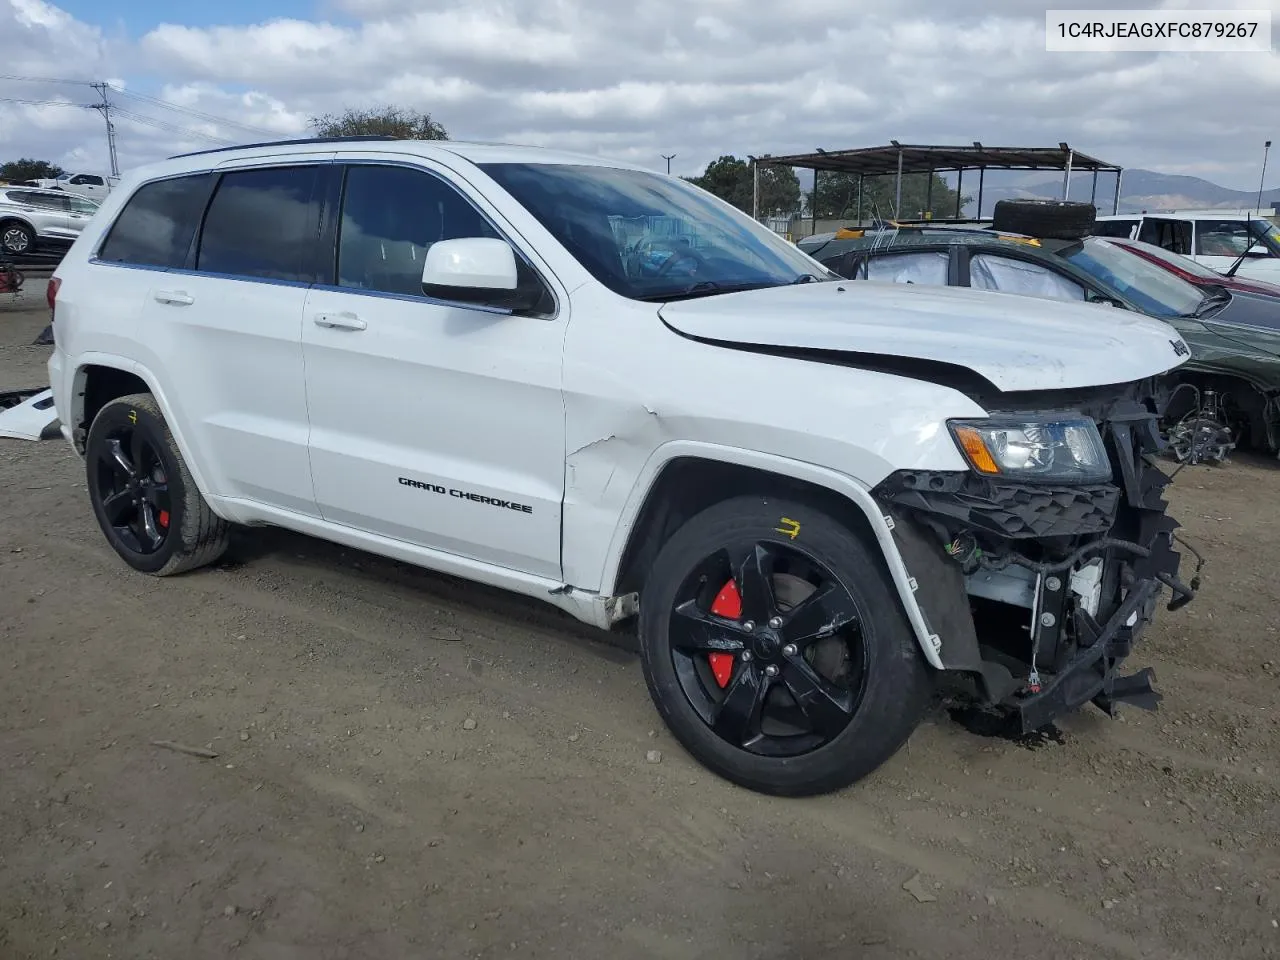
[[143, 495], [775, 648]]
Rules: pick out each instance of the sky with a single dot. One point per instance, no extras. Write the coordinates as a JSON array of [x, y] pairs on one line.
[[634, 80]]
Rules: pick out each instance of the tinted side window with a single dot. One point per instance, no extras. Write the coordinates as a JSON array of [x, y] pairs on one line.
[[1172, 235], [262, 223], [1222, 238], [157, 224], [390, 217], [1114, 228]]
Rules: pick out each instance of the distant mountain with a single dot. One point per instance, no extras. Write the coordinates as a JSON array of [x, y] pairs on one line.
[[1139, 190]]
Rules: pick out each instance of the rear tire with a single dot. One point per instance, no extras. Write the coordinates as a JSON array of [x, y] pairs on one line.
[[16, 238], [863, 657], [1045, 219], [143, 494]]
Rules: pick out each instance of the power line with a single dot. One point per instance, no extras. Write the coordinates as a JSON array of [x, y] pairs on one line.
[[6, 76], [42, 103], [210, 117], [143, 97], [170, 127]]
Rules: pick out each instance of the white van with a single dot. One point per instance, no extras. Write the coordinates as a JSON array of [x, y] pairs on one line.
[[1216, 238]]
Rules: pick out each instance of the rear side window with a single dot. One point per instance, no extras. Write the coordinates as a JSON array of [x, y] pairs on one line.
[[262, 223], [157, 224], [927, 267]]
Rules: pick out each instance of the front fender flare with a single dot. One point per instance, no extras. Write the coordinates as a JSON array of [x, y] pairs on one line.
[[856, 492]]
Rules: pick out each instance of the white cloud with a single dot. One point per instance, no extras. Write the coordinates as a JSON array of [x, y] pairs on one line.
[[638, 80]]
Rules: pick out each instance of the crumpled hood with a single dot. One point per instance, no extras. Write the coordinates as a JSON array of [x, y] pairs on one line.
[[1015, 342]]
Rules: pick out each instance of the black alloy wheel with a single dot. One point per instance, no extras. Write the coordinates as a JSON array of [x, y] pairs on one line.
[[133, 488], [767, 646], [775, 646], [144, 496]]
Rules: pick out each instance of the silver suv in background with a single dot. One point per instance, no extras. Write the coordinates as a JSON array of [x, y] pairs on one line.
[[34, 220]]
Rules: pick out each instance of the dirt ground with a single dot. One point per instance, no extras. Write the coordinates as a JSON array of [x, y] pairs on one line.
[[409, 766]]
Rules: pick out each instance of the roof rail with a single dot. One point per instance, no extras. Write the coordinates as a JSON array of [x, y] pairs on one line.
[[279, 143]]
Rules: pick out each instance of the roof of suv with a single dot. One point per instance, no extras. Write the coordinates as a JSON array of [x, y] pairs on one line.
[[474, 151]]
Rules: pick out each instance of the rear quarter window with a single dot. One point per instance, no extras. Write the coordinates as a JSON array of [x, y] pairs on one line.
[[157, 223]]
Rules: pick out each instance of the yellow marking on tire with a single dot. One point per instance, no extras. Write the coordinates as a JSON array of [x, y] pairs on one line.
[[789, 527], [133, 416]]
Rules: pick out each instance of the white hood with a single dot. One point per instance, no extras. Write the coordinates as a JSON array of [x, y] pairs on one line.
[[1015, 342]]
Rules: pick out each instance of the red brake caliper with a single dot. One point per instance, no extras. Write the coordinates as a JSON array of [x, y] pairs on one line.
[[728, 604]]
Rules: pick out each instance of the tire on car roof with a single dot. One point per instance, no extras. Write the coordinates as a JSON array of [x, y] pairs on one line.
[[1047, 219]]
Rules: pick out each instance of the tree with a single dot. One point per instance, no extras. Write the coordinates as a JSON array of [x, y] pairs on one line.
[[399, 123], [26, 169], [730, 179], [838, 197]]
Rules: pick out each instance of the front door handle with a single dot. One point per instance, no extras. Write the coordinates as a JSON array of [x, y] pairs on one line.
[[339, 321], [175, 297]]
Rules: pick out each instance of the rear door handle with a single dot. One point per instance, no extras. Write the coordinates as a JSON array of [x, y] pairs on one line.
[[175, 297], [339, 321]]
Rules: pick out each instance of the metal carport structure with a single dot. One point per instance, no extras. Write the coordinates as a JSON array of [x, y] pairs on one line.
[[897, 159]]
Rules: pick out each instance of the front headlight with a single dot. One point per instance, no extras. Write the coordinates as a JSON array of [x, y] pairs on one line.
[[1067, 449]]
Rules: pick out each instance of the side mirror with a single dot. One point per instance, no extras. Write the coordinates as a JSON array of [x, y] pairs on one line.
[[1094, 297], [469, 268], [483, 271], [1258, 250]]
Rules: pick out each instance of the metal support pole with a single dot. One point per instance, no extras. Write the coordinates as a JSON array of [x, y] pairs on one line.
[[1093, 194], [104, 108], [668, 157], [982, 175], [1115, 204], [928, 198], [813, 212], [1066, 177], [755, 188], [861, 176], [1266, 149], [959, 190], [897, 200]]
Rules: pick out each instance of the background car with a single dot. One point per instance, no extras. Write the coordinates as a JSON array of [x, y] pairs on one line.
[[33, 220], [1196, 273], [1234, 335], [1215, 238]]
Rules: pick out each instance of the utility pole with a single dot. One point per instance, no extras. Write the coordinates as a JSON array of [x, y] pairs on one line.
[[668, 158], [104, 108], [1266, 149]]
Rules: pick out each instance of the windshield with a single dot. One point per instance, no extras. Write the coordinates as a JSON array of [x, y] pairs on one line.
[[1268, 234], [650, 237], [1151, 289]]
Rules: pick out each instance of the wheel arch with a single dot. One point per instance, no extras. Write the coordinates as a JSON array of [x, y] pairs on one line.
[[99, 379], [10, 218], [1260, 405], [684, 478]]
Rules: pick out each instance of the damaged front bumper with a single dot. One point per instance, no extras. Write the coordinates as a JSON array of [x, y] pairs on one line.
[[1038, 593]]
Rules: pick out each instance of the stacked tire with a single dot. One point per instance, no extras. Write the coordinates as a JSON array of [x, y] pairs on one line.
[[1045, 219]]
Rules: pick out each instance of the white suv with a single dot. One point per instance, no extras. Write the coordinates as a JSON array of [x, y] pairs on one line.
[[603, 387], [34, 220]]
